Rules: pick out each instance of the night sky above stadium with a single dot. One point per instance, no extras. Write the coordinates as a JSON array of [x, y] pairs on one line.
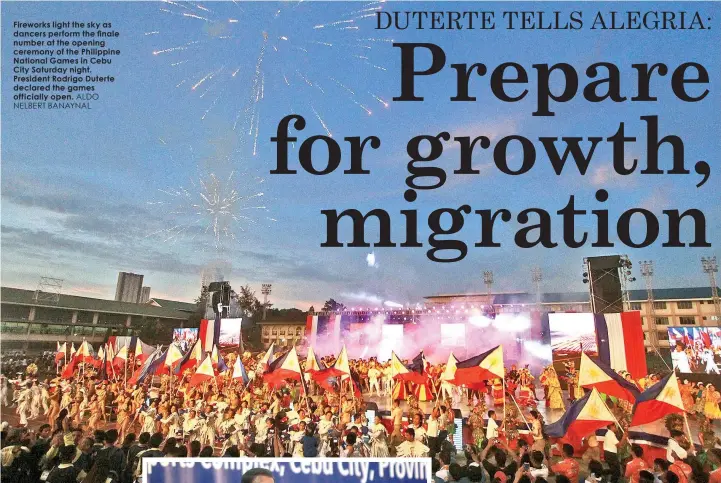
[[85, 193]]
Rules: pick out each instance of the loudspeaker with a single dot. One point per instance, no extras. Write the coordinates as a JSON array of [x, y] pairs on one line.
[[218, 298], [604, 277]]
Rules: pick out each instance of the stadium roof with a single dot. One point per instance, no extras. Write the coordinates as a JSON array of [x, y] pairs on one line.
[[18, 296], [511, 298], [173, 304]]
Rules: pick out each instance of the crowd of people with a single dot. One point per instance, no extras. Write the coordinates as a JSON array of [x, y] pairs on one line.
[[88, 429]]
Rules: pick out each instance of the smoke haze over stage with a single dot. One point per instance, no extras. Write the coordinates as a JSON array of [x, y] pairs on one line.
[[465, 332]]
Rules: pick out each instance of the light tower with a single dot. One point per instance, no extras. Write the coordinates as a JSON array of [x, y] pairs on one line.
[[537, 276], [647, 273], [488, 280], [265, 289], [710, 267], [626, 276]]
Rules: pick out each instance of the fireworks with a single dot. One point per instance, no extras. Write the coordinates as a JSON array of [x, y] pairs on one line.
[[297, 63], [221, 208]]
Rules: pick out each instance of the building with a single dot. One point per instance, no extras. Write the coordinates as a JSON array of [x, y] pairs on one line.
[[129, 287], [684, 307], [25, 320], [144, 295], [282, 333]]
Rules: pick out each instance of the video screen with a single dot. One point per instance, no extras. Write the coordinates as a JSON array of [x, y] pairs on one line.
[[391, 340], [521, 338], [229, 332], [695, 350], [453, 335], [571, 335], [185, 338]]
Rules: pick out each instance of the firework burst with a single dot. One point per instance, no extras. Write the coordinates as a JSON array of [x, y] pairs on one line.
[[220, 208], [298, 61]]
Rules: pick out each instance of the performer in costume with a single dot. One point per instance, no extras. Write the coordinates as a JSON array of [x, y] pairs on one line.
[[475, 421], [555, 395], [711, 408], [687, 396], [497, 392], [379, 439], [572, 381], [544, 382]]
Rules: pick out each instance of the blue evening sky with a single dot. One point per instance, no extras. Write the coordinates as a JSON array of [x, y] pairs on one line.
[[77, 186]]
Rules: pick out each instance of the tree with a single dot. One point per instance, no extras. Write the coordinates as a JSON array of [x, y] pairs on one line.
[[311, 310], [252, 310], [333, 306], [249, 303], [155, 332]]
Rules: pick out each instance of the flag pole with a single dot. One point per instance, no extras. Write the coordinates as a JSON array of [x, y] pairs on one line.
[[503, 380], [519, 411], [688, 428]]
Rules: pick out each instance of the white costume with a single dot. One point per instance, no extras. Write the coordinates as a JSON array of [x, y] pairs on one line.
[[711, 366], [295, 437], [36, 401], [388, 379], [24, 397], [412, 449], [373, 375], [206, 431], [379, 441], [3, 391], [45, 399], [680, 361], [173, 423], [189, 425], [148, 421]]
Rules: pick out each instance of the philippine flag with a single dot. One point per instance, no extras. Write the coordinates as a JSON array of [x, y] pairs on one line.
[[312, 364], [658, 401], [285, 367], [203, 373], [191, 359], [482, 367], [596, 374], [583, 418]]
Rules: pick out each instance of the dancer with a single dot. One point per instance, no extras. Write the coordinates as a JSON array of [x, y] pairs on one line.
[[713, 398], [711, 367], [373, 375], [379, 439], [555, 395]]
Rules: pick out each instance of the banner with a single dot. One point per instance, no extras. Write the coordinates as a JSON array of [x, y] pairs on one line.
[[288, 470]]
